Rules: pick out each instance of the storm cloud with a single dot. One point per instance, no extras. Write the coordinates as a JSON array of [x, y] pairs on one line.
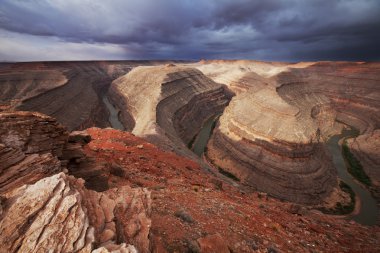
[[281, 30]]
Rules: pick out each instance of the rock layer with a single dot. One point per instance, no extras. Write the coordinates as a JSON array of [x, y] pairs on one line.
[[351, 88], [30, 145], [284, 159], [58, 213], [71, 92], [366, 150], [168, 104], [270, 136], [42, 210]]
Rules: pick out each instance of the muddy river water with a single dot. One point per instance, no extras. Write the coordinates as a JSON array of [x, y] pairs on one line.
[[204, 134], [114, 115], [368, 212]]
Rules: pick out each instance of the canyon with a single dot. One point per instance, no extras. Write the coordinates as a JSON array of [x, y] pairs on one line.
[[259, 186]]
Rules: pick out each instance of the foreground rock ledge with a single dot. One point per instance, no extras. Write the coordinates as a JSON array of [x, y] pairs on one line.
[[41, 210], [54, 213]]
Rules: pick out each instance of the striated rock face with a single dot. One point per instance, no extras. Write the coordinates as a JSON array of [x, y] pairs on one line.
[[168, 104], [262, 141], [24, 84], [30, 145], [77, 104], [58, 213], [50, 208], [32, 132], [239, 75], [271, 134], [41, 210], [366, 150], [352, 90], [71, 92]]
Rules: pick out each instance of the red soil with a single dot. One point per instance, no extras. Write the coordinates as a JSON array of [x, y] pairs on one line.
[[189, 204]]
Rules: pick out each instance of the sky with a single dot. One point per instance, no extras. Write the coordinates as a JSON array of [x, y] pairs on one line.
[[271, 30]]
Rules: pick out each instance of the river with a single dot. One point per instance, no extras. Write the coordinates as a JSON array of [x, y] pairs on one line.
[[368, 212], [204, 134], [114, 115]]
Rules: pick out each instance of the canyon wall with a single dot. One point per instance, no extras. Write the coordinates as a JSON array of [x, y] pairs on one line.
[[265, 143], [271, 136], [352, 89], [366, 150], [71, 92], [167, 104]]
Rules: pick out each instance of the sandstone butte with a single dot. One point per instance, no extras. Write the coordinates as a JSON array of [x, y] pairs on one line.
[[104, 190]]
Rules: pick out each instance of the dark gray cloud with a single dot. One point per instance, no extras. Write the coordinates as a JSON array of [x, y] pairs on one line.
[[289, 30]]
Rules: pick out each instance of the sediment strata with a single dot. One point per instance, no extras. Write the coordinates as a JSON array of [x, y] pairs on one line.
[[352, 89], [365, 148], [30, 144], [271, 135], [168, 104], [57, 212], [42, 208], [71, 92], [261, 140]]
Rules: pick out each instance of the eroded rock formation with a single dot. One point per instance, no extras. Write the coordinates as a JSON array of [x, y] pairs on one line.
[[42, 210], [154, 200], [167, 104], [58, 213], [351, 88], [261, 141], [30, 145], [71, 92], [271, 134], [366, 149]]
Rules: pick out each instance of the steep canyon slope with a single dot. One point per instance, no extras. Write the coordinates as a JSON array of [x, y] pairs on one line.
[[271, 135], [167, 104], [71, 92], [153, 201]]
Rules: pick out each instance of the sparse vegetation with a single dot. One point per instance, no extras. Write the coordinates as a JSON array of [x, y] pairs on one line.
[[214, 124], [190, 145], [341, 209], [354, 166], [351, 206], [184, 216], [116, 170], [228, 174]]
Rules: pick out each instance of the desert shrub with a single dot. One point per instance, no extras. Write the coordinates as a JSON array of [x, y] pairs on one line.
[[354, 166], [228, 174]]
